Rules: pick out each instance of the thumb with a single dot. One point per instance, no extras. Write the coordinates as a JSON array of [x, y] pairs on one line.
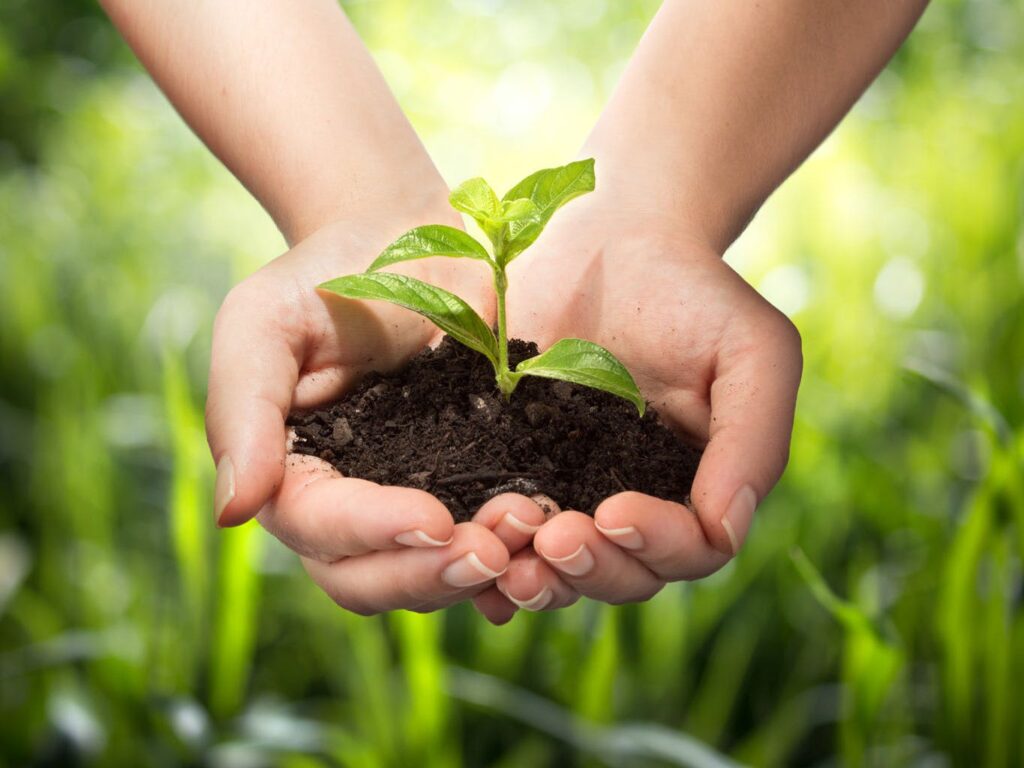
[[753, 397], [254, 367]]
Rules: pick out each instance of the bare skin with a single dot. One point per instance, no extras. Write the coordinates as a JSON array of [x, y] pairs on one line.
[[723, 99], [282, 97], [720, 103], [370, 547], [717, 361]]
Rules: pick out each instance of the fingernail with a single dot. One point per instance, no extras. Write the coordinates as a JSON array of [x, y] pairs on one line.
[[224, 490], [538, 602], [579, 563], [736, 520], [627, 538], [519, 525], [468, 571], [417, 538]]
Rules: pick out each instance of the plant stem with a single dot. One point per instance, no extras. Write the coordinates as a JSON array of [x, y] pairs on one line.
[[506, 382]]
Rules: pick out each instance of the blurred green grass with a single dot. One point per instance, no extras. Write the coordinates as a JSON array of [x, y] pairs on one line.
[[874, 617]]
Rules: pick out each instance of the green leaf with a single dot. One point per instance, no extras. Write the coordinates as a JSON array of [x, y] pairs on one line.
[[517, 215], [475, 198], [586, 363], [549, 189], [872, 662], [522, 209], [431, 240], [445, 310]]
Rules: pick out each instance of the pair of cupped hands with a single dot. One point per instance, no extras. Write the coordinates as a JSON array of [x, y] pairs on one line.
[[716, 360]]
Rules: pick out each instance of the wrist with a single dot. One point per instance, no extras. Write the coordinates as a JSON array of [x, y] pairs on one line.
[[405, 198], [655, 188], [349, 242], [619, 206]]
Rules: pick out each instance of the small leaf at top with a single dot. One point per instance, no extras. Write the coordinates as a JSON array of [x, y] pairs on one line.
[[431, 240], [445, 310], [549, 189], [475, 198], [518, 210], [517, 215], [584, 362]]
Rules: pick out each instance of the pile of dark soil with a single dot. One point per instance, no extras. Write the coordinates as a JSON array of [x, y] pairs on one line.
[[441, 425]]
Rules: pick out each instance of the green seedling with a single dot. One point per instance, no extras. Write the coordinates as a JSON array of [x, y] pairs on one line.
[[511, 224]]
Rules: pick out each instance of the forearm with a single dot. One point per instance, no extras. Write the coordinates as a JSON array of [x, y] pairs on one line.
[[285, 94], [725, 98]]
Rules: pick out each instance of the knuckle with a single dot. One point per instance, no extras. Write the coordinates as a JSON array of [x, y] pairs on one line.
[[259, 299], [691, 574], [349, 602], [618, 600], [343, 600], [795, 341], [359, 610], [786, 332], [342, 596], [571, 599], [641, 595], [238, 299], [683, 566]]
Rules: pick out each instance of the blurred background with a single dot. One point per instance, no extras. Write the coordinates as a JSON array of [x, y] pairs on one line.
[[875, 615]]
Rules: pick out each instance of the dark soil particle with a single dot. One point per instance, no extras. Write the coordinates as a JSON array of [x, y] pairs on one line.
[[440, 424]]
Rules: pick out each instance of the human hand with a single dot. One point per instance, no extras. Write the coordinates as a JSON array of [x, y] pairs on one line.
[[279, 344], [719, 363]]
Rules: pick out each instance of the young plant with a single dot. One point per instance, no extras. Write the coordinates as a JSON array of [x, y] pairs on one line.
[[511, 224]]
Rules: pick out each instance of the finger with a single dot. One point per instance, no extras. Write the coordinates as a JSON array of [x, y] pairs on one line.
[[547, 504], [533, 585], [411, 578], [323, 385], [752, 401], [322, 515], [513, 518], [494, 606], [254, 365], [592, 565], [359, 338], [663, 535]]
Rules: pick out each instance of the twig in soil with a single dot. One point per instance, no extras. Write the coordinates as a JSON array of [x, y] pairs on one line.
[[437, 459], [617, 479], [467, 447], [469, 477]]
